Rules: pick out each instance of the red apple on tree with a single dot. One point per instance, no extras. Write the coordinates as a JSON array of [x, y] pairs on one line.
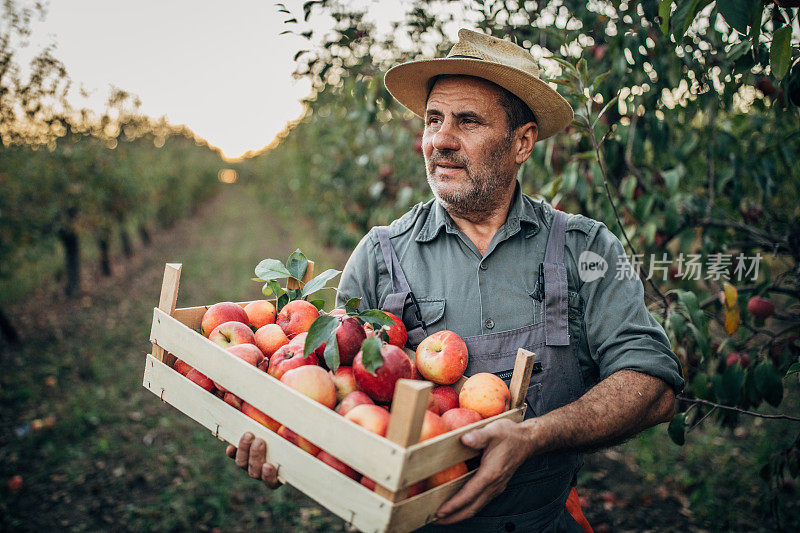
[[741, 359], [760, 307]]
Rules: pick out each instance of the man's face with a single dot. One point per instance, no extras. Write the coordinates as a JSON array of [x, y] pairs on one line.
[[468, 151]]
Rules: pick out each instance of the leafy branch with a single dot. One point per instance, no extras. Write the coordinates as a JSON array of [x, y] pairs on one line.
[[271, 271]]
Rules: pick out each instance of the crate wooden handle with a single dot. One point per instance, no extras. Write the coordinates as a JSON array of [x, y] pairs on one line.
[[167, 301], [409, 403], [521, 378]]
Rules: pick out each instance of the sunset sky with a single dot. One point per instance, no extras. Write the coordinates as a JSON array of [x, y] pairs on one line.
[[221, 68]]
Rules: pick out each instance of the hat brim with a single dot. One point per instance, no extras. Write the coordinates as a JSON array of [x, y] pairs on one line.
[[408, 84]]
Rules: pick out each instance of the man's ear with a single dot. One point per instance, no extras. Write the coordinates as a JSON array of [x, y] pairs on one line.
[[527, 134]]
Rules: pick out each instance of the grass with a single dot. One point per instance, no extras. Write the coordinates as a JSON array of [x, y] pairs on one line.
[[117, 459]]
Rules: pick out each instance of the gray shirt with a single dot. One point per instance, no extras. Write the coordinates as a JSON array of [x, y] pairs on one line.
[[462, 291]]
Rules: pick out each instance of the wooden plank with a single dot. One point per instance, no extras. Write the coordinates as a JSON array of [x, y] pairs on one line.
[[166, 302], [365, 451], [405, 425], [521, 378], [347, 498], [415, 512], [436, 454]]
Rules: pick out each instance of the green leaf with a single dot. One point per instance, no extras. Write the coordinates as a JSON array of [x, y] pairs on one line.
[[672, 177], [755, 29], [283, 299], [271, 287], [628, 186], [738, 50], [270, 269], [700, 388], [297, 264], [319, 281], [684, 15], [780, 53], [319, 304], [677, 323], [664, 11], [768, 383], [605, 108], [331, 353], [566, 65], [677, 429], [351, 305], [794, 369], [376, 317], [319, 332], [738, 13], [600, 78], [732, 381], [584, 70], [371, 354]]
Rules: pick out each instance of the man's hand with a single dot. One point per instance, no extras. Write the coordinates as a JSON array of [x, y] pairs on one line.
[[505, 447], [251, 455]]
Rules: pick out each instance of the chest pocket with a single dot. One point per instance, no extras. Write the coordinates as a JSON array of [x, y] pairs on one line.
[[574, 310], [432, 310]]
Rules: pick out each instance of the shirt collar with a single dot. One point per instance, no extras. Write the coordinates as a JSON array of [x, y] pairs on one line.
[[521, 216]]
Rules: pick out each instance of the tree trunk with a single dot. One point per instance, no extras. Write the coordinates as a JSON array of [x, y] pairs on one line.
[[73, 262], [144, 234], [7, 329], [127, 247], [105, 257]]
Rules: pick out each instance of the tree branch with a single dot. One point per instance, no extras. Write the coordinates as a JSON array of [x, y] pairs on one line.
[[738, 410]]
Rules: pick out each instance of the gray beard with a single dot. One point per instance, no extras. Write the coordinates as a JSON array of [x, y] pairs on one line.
[[484, 196]]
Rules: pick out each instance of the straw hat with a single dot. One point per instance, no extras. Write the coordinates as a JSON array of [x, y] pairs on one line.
[[499, 61]]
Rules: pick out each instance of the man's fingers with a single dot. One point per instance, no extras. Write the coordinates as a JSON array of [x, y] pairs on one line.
[[258, 456], [230, 451], [471, 491], [243, 451], [477, 438], [269, 475]]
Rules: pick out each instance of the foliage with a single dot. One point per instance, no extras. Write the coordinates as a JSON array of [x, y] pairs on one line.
[[270, 271], [683, 144]]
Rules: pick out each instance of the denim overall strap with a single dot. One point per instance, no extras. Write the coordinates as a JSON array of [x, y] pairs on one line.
[[555, 298], [401, 295]]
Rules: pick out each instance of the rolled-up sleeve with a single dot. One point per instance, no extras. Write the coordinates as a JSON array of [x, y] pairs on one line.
[[621, 333]]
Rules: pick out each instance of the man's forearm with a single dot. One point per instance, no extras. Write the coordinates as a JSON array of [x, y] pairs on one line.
[[617, 408]]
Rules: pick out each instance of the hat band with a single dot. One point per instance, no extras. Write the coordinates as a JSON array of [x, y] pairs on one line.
[[465, 57]]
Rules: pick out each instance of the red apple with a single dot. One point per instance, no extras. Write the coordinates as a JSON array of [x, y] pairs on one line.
[[296, 317], [333, 462], [741, 359], [219, 314], [15, 483], [232, 333], [415, 489], [297, 440], [248, 353], [181, 367], [460, 417], [260, 313], [442, 357], [314, 382], [201, 379], [260, 417], [338, 312], [448, 474], [231, 399], [380, 385], [269, 338], [486, 394], [369, 483], [432, 425], [349, 336], [396, 333], [444, 398], [345, 381], [351, 400], [371, 417], [289, 357], [760, 307]]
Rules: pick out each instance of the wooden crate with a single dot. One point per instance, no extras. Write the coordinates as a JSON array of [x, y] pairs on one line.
[[394, 462]]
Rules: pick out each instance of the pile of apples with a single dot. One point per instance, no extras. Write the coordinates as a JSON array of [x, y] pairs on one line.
[[274, 342]]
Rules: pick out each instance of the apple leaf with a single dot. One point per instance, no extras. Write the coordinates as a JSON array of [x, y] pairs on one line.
[[664, 11], [283, 299], [331, 353], [351, 305], [319, 332], [376, 317], [768, 383], [780, 53], [794, 369], [371, 354], [319, 304], [319, 281], [297, 264], [270, 269], [271, 287], [738, 13], [732, 381], [677, 429]]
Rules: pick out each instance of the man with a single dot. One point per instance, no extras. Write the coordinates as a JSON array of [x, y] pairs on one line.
[[504, 271]]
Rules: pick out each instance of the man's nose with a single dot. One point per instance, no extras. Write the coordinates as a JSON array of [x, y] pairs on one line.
[[445, 139]]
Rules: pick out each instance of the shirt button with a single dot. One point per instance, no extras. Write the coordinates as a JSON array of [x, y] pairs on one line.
[[489, 323], [483, 266]]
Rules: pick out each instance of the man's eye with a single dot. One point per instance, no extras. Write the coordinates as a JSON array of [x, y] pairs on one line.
[[433, 120]]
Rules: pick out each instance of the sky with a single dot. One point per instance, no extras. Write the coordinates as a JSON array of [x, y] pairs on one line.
[[219, 67]]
